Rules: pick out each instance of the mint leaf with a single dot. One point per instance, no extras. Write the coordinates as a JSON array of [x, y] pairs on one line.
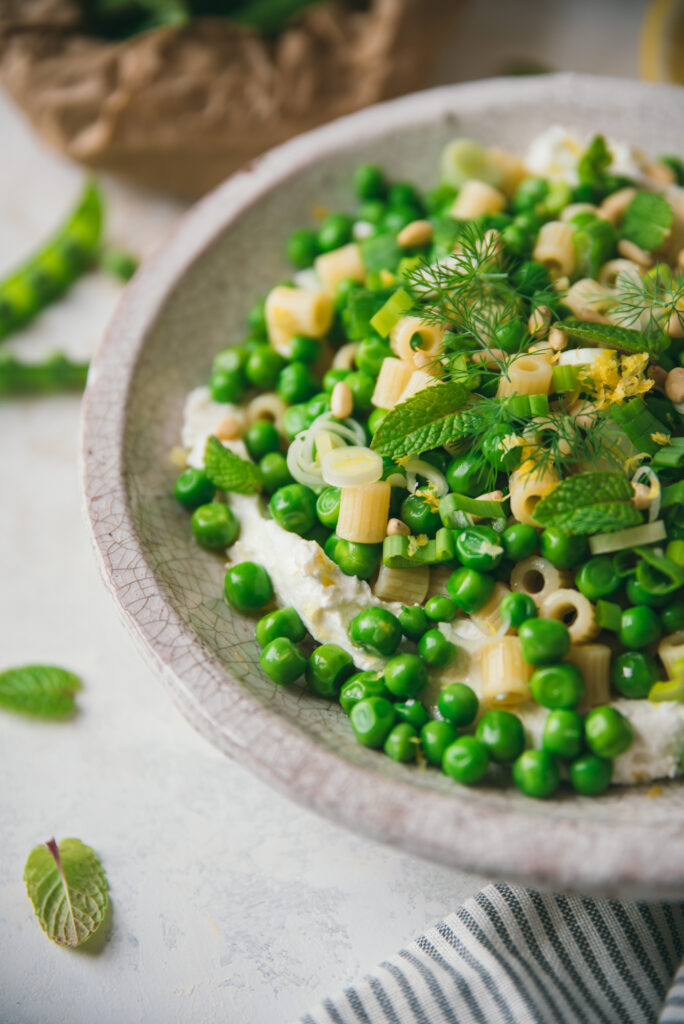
[[424, 421], [647, 220], [595, 160], [68, 888], [624, 339], [228, 471], [39, 690], [589, 503]]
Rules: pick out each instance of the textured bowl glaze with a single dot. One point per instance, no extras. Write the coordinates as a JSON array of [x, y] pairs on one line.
[[188, 302]]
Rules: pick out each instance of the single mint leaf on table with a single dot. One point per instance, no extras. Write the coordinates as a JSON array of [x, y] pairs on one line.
[[39, 690], [589, 503], [228, 471], [647, 220], [624, 339], [422, 422], [68, 888]]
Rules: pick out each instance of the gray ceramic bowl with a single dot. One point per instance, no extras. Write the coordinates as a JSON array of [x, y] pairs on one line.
[[188, 302]]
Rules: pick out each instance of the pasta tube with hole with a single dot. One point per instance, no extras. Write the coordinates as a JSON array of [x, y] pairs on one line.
[[402, 335], [392, 380], [575, 610], [364, 512], [554, 248], [536, 577], [528, 486], [338, 265], [291, 311], [488, 617], [593, 661], [527, 375], [505, 674]]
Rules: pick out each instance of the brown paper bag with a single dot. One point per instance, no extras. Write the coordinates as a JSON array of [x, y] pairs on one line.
[[180, 109]]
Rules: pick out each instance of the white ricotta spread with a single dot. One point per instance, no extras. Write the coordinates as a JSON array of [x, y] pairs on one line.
[[555, 153]]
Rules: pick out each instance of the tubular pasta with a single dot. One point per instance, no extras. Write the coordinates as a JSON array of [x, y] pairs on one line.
[[505, 674]]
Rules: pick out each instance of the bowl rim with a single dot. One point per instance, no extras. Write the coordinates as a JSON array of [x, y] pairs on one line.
[[457, 829]]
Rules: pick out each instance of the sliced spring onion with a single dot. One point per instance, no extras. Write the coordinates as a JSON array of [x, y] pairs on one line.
[[419, 467], [670, 689], [580, 356], [351, 466], [388, 315], [565, 378], [639, 424], [454, 506], [655, 491], [303, 460], [647, 533]]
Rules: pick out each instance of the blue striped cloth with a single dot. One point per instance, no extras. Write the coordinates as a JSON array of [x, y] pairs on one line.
[[517, 956]]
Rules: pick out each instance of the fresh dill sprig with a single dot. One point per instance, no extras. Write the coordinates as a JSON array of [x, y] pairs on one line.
[[649, 301]]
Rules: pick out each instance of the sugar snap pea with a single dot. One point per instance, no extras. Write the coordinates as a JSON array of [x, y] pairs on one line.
[[53, 269], [55, 373]]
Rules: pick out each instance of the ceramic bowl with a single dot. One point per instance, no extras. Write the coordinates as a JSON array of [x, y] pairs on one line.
[[188, 302]]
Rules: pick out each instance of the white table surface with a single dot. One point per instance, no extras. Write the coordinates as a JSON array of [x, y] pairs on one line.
[[229, 902]]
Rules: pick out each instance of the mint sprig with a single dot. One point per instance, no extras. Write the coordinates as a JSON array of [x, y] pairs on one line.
[[44, 690], [424, 421], [624, 339], [594, 162], [68, 888], [228, 471], [647, 220], [589, 503]]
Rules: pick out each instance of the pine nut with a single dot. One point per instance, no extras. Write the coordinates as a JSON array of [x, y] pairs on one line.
[[674, 385], [657, 374], [540, 321], [229, 429], [395, 528], [661, 172], [341, 401], [642, 496], [614, 206], [632, 252], [418, 232], [490, 356], [557, 339]]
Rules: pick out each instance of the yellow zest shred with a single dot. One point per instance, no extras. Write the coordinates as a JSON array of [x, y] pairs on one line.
[[634, 460], [430, 498], [387, 278], [660, 438], [612, 379]]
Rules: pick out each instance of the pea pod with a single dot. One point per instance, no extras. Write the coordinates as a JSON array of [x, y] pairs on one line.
[[53, 269], [55, 373]]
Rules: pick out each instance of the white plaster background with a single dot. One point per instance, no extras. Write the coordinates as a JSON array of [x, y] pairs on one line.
[[229, 902]]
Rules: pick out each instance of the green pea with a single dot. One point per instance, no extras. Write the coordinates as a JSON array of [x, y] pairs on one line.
[[468, 474], [470, 589], [296, 419], [466, 760], [302, 248], [233, 358], [536, 773], [296, 383], [372, 211], [263, 367], [405, 675], [303, 349], [334, 232], [362, 386], [531, 277], [561, 549], [397, 217], [254, 342], [256, 318], [215, 525], [376, 418], [458, 704], [639, 627], [528, 222], [435, 737], [638, 595], [591, 775], [328, 667], [317, 405], [517, 608], [608, 733], [414, 622], [281, 622], [413, 712], [362, 685], [516, 241], [370, 182], [404, 193], [357, 559], [419, 516], [319, 533], [498, 455], [402, 743], [261, 439], [634, 673], [247, 587], [519, 541], [479, 547], [294, 508], [274, 472], [544, 641], [282, 661], [440, 609], [372, 720], [672, 617], [440, 198], [675, 552], [502, 734], [328, 506], [435, 650], [193, 488], [333, 377], [597, 578], [370, 356], [563, 733], [529, 193], [376, 630], [557, 686], [227, 385]]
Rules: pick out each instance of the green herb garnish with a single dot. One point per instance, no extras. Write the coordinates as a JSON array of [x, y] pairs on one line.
[[228, 471], [39, 690], [68, 888], [423, 422], [594, 162], [621, 338], [647, 221], [589, 503]]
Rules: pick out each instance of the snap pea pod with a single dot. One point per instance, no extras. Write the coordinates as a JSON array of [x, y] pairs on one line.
[[53, 269], [55, 373]]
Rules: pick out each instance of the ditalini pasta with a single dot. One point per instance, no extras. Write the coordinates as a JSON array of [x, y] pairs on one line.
[[450, 448]]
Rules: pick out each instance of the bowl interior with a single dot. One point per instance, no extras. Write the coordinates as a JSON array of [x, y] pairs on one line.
[[190, 302]]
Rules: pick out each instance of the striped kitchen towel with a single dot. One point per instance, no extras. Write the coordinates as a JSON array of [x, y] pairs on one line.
[[517, 956]]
